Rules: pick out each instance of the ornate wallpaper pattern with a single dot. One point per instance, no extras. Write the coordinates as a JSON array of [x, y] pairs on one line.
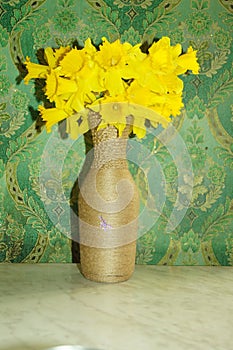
[[205, 234]]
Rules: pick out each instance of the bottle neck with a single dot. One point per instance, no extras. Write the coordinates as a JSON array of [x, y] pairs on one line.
[[109, 149]]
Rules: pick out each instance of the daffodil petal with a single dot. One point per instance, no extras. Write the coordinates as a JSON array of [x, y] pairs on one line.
[[72, 62], [188, 61], [77, 124], [50, 57], [52, 116], [35, 70]]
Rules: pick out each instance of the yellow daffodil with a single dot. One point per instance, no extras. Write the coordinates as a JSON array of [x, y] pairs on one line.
[[52, 116], [35, 71], [53, 56], [171, 83], [161, 56], [112, 58], [40, 71], [153, 82], [72, 62], [50, 57], [173, 104], [93, 83], [60, 53], [77, 101], [141, 95], [66, 86], [57, 86], [112, 54], [89, 49], [117, 81], [113, 82], [76, 59], [134, 64], [188, 61]]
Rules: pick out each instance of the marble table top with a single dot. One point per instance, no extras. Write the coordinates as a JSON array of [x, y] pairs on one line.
[[46, 305]]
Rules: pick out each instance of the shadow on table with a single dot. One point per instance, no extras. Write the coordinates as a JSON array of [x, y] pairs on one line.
[[44, 347], [29, 347]]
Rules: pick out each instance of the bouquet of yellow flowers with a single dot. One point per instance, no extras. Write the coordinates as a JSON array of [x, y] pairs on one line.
[[146, 85]]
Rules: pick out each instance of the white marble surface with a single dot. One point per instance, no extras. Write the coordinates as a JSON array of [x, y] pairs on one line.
[[44, 305]]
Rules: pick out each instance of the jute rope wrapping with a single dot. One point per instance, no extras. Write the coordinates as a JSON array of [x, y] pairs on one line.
[[108, 211]]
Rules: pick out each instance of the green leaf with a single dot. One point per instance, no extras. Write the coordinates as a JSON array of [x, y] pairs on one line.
[[146, 247], [15, 145], [204, 45], [142, 185], [218, 212], [30, 17], [61, 3], [194, 130], [228, 204], [213, 219], [194, 5], [17, 14], [3, 246], [70, 3], [227, 19], [33, 221], [212, 196], [25, 196], [24, 10], [114, 16], [4, 117], [13, 21], [149, 16], [145, 23], [201, 189], [151, 31], [216, 63], [193, 44], [199, 4], [15, 124], [12, 149], [58, 41], [2, 106], [36, 216], [229, 162], [200, 139], [107, 11], [160, 15], [219, 221], [206, 56], [205, 5], [220, 89], [118, 23], [146, 3], [189, 139], [226, 155]]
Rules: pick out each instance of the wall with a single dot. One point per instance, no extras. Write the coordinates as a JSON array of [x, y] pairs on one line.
[[30, 206]]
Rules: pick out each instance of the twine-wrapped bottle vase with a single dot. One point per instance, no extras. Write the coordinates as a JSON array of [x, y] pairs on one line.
[[108, 211]]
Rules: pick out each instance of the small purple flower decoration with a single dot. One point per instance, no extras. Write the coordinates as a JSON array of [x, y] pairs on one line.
[[103, 224]]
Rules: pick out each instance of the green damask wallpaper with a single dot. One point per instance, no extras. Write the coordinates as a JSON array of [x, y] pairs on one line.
[[204, 236]]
